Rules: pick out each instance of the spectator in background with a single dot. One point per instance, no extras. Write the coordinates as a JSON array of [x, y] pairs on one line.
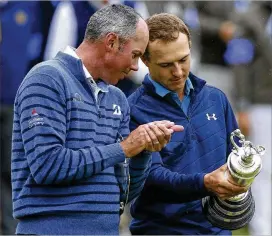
[[249, 53], [213, 17], [68, 28], [192, 165], [23, 34], [69, 172]]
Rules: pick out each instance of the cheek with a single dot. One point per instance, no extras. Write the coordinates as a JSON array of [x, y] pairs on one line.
[[113, 65], [164, 76], [165, 73], [125, 62], [121, 61], [187, 66], [118, 64], [161, 74]]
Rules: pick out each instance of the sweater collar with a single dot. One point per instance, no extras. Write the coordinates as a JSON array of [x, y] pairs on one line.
[[75, 66], [72, 52], [197, 83], [163, 91]]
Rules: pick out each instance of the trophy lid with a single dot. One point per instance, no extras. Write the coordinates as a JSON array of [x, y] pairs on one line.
[[244, 167], [244, 162]]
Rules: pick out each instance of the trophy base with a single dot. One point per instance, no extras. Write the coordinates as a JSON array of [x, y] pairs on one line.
[[228, 214]]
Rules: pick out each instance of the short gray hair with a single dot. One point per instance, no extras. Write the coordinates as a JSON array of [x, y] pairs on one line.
[[116, 18]]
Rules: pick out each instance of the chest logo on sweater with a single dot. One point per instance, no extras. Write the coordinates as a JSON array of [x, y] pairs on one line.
[[77, 98], [116, 110], [209, 117]]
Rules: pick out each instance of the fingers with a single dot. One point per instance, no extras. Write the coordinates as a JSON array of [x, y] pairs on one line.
[[151, 137], [223, 193], [170, 125], [227, 190], [235, 190], [218, 182], [154, 144], [177, 128], [159, 134], [164, 132], [167, 123], [158, 130]]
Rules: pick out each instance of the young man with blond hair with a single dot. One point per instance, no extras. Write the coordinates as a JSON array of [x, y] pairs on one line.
[[192, 165]]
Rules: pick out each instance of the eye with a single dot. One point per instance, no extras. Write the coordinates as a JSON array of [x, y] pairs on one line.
[[134, 56], [164, 65], [183, 60]]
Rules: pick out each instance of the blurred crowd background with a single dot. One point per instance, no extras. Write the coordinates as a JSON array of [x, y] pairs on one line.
[[231, 50]]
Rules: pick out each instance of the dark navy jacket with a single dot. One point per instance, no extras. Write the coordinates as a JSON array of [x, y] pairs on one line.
[[171, 200]]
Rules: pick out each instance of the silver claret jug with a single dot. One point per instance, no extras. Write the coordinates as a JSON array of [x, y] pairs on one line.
[[244, 164]]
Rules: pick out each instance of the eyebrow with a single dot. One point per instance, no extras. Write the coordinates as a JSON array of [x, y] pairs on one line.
[[185, 56], [172, 62]]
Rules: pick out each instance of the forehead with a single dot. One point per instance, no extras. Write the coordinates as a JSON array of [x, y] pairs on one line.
[[169, 51], [140, 40]]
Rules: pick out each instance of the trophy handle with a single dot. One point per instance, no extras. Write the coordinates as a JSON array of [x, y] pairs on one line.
[[260, 150], [238, 134]]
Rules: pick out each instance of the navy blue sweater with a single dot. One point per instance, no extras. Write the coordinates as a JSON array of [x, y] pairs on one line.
[[170, 202], [66, 174]]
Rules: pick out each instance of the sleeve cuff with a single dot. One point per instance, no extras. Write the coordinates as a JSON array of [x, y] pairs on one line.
[[201, 185], [112, 154], [141, 160]]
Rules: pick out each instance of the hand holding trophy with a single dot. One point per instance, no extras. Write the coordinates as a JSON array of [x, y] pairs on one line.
[[244, 164]]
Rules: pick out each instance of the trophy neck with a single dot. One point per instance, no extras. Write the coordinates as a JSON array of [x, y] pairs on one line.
[[244, 168]]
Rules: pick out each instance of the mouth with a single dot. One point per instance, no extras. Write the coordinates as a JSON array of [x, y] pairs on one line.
[[125, 74], [175, 79], [122, 76]]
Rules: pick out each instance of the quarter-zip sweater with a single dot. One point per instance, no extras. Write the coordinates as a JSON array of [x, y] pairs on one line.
[[170, 202], [66, 158]]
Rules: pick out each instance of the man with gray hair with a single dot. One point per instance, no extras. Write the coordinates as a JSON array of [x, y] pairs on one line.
[[74, 162]]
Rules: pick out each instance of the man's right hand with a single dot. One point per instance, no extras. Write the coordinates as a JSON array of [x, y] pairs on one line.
[[151, 137], [160, 134], [221, 184]]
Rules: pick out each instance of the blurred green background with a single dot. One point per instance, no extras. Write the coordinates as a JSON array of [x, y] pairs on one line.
[[242, 231]]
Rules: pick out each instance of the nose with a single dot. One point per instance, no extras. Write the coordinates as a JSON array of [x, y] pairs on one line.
[[177, 71], [134, 66]]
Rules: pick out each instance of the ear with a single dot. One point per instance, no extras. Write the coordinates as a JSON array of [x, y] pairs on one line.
[[112, 42]]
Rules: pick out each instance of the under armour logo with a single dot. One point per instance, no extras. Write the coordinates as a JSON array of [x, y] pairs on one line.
[[116, 110], [209, 117]]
